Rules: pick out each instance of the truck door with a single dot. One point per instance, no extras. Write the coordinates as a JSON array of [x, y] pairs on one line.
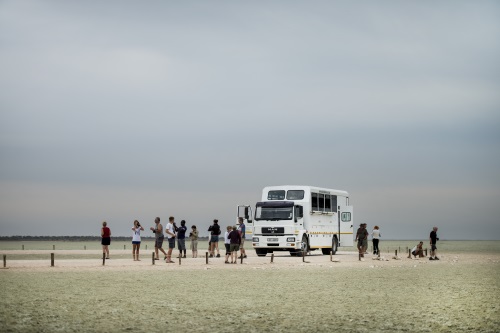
[[245, 212], [346, 226]]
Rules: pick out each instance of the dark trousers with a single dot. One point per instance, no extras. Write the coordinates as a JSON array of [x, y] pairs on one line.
[[375, 246]]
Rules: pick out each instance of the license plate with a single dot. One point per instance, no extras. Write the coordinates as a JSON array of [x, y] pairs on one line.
[[272, 239]]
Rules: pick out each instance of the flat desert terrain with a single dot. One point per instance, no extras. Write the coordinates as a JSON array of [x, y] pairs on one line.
[[459, 293]]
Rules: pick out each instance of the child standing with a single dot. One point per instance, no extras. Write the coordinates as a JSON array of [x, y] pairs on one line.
[[227, 243]]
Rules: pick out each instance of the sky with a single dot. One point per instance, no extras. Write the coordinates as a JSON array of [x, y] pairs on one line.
[[122, 110]]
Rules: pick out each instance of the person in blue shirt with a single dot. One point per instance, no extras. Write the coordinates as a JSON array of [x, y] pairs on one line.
[[242, 230]]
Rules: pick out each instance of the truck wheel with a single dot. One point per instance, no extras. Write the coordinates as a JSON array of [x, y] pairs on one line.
[[304, 248], [335, 245], [261, 252]]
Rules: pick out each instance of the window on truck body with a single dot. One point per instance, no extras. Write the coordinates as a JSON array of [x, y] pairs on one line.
[[323, 203], [314, 202], [276, 195], [295, 195]]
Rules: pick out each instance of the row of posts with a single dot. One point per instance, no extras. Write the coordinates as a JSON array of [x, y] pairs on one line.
[[85, 247], [125, 247], [206, 257], [153, 258], [395, 253]]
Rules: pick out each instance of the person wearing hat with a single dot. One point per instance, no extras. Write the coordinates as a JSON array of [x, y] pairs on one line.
[[214, 238], [362, 239]]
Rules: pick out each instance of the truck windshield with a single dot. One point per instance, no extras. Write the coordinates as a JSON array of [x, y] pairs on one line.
[[273, 213]]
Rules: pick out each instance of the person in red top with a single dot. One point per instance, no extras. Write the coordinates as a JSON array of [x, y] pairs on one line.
[[106, 239]]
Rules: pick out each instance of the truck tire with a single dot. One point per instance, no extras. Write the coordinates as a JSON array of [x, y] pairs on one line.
[[261, 252]]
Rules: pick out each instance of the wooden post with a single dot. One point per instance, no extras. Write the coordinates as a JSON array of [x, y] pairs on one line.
[[359, 256], [331, 255], [303, 256], [52, 260], [146, 246], [396, 253], [23, 246], [153, 257], [4, 260], [206, 257], [53, 247], [103, 258], [272, 257], [180, 259], [124, 246], [85, 247], [426, 252], [409, 254], [241, 262]]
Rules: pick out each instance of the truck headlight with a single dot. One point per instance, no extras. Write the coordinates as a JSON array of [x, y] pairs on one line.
[[255, 239], [290, 239]]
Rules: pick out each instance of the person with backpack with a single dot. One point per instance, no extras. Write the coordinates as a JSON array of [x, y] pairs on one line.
[[214, 238]]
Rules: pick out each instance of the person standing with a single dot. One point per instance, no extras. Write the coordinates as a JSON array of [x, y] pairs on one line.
[[433, 240], [242, 230], [170, 231], [375, 239], [105, 238], [214, 238], [193, 237], [235, 241], [158, 231], [136, 240], [227, 243], [181, 239], [362, 239]]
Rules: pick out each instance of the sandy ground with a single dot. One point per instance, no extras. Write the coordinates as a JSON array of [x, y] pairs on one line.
[[458, 293]]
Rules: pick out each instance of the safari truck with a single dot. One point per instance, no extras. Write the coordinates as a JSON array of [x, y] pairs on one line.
[[299, 219]]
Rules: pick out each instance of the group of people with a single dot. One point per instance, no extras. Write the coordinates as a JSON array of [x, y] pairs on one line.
[[362, 242], [173, 232], [234, 239], [362, 239]]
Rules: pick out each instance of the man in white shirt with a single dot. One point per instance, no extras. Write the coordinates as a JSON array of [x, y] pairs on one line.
[[170, 232]]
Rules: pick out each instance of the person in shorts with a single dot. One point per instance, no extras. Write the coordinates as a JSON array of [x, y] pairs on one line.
[[433, 240], [105, 238], [136, 240], [193, 237], [235, 241], [158, 231], [214, 238], [227, 243], [242, 230], [170, 231], [362, 239]]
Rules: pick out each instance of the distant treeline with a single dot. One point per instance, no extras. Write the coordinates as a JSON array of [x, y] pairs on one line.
[[74, 238]]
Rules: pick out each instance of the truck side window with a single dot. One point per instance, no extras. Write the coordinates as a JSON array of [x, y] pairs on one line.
[[314, 202]]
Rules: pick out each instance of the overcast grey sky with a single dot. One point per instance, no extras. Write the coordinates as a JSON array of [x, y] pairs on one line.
[[123, 110]]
